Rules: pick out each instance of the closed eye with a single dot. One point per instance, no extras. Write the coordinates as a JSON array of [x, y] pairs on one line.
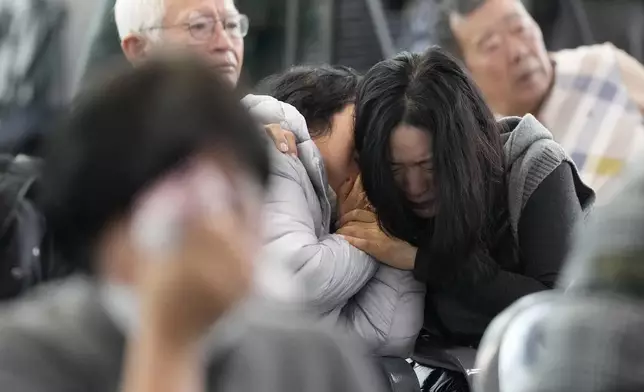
[[427, 165]]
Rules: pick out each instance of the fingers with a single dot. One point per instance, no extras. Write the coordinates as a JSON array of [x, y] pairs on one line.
[[291, 143], [362, 216], [353, 196], [358, 193], [274, 131], [359, 243], [284, 140], [355, 230]]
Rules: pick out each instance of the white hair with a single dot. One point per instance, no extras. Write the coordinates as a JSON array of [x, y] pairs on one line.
[[136, 16]]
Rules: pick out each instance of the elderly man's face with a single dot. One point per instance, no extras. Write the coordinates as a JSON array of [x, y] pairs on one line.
[[213, 29], [504, 50], [194, 19]]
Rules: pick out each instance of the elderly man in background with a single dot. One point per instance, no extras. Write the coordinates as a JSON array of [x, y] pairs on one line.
[[591, 98], [214, 28]]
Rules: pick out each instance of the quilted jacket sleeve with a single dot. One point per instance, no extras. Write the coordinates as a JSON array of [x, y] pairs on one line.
[[328, 267], [388, 312]]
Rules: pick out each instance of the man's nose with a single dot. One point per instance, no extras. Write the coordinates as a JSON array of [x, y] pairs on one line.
[[221, 41], [517, 49]]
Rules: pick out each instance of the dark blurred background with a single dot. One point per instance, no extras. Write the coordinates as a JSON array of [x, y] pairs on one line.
[[357, 33]]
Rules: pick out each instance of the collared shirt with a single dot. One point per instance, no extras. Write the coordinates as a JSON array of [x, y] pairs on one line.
[[595, 111]]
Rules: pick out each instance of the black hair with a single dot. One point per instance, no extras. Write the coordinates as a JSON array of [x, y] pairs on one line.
[[442, 30], [317, 92], [432, 92], [127, 133]]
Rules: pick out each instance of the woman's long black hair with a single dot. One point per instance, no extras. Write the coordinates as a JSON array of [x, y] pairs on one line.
[[432, 92]]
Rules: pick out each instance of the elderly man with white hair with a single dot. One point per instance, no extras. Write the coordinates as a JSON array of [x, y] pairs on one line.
[[212, 29], [215, 29]]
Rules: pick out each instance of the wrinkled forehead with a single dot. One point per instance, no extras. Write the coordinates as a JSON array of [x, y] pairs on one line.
[[485, 20], [177, 10]]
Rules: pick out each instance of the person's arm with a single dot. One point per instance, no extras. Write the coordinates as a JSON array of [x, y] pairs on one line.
[[388, 312], [330, 269], [633, 76], [545, 233], [152, 364], [547, 226]]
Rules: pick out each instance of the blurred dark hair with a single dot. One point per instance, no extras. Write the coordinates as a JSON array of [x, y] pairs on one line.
[[432, 92], [126, 133], [317, 92]]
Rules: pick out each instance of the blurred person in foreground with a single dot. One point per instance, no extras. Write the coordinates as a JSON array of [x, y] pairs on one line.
[[153, 187], [591, 98], [588, 339]]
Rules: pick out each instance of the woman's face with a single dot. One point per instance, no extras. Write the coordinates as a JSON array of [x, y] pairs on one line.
[[412, 166], [337, 148]]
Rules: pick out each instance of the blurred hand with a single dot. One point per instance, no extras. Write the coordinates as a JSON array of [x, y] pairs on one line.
[[186, 293], [360, 228], [284, 140], [203, 267]]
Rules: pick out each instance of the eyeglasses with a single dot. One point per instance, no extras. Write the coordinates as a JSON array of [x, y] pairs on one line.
[[203, 28]]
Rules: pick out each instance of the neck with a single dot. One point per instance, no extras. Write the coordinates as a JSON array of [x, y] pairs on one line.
[[336, 186], [335, 182]]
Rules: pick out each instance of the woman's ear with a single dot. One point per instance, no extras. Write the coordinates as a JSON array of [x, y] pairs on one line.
[[135, 48]]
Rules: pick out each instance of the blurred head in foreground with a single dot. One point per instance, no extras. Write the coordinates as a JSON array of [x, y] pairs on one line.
[[139, 153], [213, 29], [590, 337]]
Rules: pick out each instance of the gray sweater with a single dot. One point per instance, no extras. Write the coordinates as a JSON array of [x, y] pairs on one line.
[[61, 340], [531, 154]]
